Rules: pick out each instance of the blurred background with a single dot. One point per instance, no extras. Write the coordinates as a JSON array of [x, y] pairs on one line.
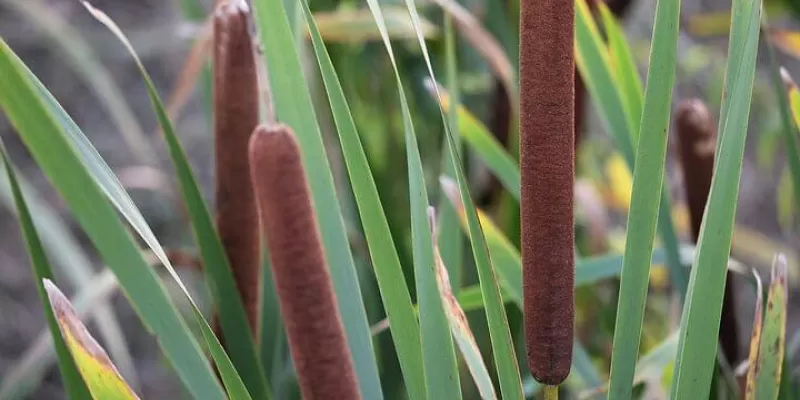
[[99, 86]]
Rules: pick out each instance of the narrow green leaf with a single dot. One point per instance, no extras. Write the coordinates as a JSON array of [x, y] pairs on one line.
[[451, 241], [648, 179], [65, 156], [623, 67], [483, 143], [440, 367], [502, 343], [593, 61], [99, 373], [73, 384], [789, 107], [78, 53], [701, 313], [773, 336], [458, 322], [385, 260], [293, 107], [71, 259], [221, 283]]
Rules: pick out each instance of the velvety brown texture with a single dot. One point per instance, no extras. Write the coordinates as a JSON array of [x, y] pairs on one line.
[[547, 165], [694, 125], [305, 292], [235, 118]]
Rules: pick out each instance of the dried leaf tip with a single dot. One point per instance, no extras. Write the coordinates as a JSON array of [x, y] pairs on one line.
[[787, 79], [305, 291], [779, 269]]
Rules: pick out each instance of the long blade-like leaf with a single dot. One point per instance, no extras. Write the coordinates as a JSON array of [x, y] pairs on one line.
[[73, 384], [648, 179], [47, 135], [701, 313], [221, 282], [505, 357], [386, 263], [222, 285]]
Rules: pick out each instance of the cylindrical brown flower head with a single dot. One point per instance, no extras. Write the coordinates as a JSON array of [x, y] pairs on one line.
[[547, 165], [305, 292], [694, 125], [235, 117]]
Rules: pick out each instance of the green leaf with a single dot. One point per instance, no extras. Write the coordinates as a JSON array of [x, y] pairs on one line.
[[293, 107], [484, 144], [594, 64], [357, 26], [701, 313], [789, 107], [773, 336], [459, 325], [623, 67], [648, 177], [221, 283], [101, 376], [73, 384], [385, 260], [71, 260], [85, 183], [451, 241]]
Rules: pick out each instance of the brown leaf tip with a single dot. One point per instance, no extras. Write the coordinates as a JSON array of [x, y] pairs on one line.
[[70, 324]]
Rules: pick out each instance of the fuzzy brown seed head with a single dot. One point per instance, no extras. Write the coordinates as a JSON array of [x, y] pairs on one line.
[[547, 169], [236, 110], [307, 300], [697, 137]]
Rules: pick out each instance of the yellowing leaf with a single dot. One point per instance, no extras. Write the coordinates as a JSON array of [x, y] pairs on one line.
[[787, 41], [755, 339], [620, 182], [710, 24], [458, 323], [773, 336], [101, 376]]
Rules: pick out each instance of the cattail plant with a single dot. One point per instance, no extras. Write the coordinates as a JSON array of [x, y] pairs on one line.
[[235, 118], [305, 292], [547, 167], [696, 133]]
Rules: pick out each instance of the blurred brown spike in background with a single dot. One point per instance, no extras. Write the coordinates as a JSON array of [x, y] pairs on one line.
[[305, 292], [547, 165], [235, 117], [694, 125]]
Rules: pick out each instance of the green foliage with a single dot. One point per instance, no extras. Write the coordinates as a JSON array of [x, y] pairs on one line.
[[446, 338]]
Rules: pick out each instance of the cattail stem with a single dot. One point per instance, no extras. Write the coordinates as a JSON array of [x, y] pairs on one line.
[[547, 166], [305, 292], [697, 142], [550, 392], [235, 117]]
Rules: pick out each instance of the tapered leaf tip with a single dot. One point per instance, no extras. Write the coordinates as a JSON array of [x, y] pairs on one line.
[[787, 79], [779, 268], [450, 189]]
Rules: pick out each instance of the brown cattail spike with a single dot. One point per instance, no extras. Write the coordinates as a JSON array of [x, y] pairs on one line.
[[235, 118], [305, 292], [547, 165], [697, 141]]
